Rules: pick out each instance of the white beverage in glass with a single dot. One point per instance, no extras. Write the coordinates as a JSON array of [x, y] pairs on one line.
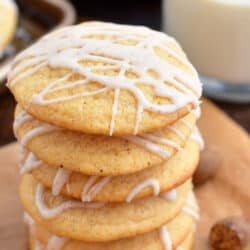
[[215, 34]]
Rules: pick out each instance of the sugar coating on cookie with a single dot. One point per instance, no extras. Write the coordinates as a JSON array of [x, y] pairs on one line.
[[105, 78]]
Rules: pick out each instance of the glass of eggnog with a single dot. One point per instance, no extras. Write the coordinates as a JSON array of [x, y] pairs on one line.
[[216, 37]]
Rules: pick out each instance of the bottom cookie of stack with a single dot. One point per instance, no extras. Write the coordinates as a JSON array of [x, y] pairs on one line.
[[177, 234]]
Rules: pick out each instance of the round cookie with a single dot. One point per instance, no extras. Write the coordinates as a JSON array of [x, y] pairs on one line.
[[101, 155], [8, 22], [169, 175], [103, 78], [93, 223], [178, 230]]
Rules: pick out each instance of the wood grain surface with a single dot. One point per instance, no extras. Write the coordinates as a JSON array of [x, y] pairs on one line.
[[228, 194]]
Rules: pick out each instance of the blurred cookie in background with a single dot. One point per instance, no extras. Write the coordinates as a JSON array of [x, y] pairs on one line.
[[8, 22]]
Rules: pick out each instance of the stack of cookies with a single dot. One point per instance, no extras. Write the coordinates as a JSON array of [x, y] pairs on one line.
[[106, 121]]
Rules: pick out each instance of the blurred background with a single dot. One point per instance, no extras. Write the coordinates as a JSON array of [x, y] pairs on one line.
[[36, 17]]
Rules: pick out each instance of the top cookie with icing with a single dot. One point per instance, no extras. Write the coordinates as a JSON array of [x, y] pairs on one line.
[[104, 78]]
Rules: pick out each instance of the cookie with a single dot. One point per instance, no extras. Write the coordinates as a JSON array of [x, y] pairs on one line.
[[104, 78], [98, 222], [8, 22], [178, 231], [101, 155], [167, 177]]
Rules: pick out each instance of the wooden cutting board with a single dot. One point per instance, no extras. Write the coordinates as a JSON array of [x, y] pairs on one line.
[[228, 194]]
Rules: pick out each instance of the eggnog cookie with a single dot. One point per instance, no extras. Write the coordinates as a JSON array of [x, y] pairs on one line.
[[35, 244], [104, 78], [101, 155], [95, 221], [176, 231], [8, 22], [166, 177]]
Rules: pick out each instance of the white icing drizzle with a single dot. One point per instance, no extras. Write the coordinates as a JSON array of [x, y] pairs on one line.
[[114, 111], [197, 112], [186, 124], [191, 207], [191, 200], [60, 179], [149, 182], [23, 153], [30, 163], [28, 220], [197, 137], [177, 132], [56, 243], [49, 213], [191, 212], [65, 48], [170, 195], [152, 147], [157, 139], [91, 188], [20, 120], [150, 141], [180, 248], [68, 188], [44, 128], [165, 238], [38, 245]]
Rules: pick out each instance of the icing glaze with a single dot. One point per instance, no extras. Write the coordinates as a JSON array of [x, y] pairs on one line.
[[170, 195], [60, 180], [191, 207], [91, 188], [177, 132], [22, 155], [30, 163], [48, 213], [20, 120], [38, 245], [165, 238], [149, 182], [186, 124], [67, 47], [191, 212], [44, 128], [197, 112], [152, 147], [157, 139], [56, 243], [68, 188], [28, 220], [197, 137], [180, 248]]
